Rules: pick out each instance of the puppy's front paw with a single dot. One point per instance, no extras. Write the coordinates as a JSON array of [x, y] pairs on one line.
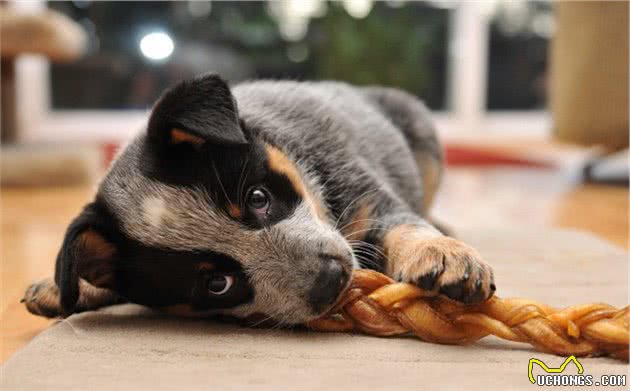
[[42, 298], [447, 266]]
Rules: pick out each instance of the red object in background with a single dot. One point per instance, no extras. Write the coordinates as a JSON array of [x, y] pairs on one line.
[[109, 152], [460, 155]]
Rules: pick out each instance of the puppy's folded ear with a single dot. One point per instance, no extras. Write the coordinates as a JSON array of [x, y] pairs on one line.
[[197, 111], [86, 253]]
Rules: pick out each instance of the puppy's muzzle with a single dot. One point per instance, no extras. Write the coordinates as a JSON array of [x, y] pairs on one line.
[[329, 283]]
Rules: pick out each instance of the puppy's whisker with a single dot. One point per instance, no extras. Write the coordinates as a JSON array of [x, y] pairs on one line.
[[369, 251], [361, 248], [378, 221], [345, 210], [241, 181], [365, 230], [216, 172], [364, 244], [271, 243], [360, 221], [369, 229], [263, 320], [368, 262], [368, 259], [358, 198]]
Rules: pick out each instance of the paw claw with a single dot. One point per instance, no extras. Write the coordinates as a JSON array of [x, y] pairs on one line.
[[453, 291], [449, 267], [476, 297], [466, 275], [427, 282]]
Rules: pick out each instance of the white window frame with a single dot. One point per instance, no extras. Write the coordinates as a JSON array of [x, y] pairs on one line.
[[466, 95]]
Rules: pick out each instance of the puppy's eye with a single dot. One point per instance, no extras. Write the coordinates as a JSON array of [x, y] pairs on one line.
[[259, 200], [219, 284]]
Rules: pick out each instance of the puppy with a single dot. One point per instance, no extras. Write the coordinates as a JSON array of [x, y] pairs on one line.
[[259, 201]]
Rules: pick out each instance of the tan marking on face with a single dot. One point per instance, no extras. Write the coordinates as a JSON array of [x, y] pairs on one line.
[[178, 136], [96, 263], [280, 163], [96, 246], [206, 266], [179, 310], [360, 224], [234, 211]]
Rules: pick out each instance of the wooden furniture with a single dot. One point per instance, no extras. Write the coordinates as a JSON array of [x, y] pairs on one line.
[[48, 33]]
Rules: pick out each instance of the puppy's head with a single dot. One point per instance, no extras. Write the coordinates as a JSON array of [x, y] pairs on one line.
[[199, 214]]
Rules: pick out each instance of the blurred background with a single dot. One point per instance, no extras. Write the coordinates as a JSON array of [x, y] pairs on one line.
[[469, 61], [89, 71], [530, 99]]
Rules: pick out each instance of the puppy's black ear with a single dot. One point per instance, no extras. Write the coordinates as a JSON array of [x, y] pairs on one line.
[[195, 112], [86, 253]]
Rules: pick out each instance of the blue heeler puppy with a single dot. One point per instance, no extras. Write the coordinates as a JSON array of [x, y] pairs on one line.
[[258, 201]]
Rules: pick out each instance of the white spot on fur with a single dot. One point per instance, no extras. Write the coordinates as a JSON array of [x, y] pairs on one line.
[[154, 209]]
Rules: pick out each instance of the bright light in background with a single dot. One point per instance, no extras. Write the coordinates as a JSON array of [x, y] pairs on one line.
[[358, 9], [293, 16], [157, 46]]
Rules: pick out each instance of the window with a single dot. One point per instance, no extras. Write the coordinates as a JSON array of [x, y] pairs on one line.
[[139, 48], [517, 65], [481, 66]]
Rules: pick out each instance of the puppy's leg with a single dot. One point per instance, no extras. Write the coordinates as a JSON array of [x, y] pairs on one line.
[[42, 298], [418, 253], [415, 251], [413, 119]]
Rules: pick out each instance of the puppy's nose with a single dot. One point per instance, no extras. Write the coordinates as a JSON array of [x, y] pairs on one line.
[[330, 280]]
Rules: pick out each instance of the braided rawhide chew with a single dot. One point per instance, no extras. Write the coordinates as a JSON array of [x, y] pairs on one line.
[[375, 304]]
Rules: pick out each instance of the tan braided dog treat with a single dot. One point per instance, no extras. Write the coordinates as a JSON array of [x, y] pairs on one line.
[[375, 304]]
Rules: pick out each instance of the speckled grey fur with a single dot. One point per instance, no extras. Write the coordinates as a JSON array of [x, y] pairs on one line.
[[350, 144]]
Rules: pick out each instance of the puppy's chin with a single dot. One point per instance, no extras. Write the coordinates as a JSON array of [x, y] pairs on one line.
[[262, 315], [267, 321]]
